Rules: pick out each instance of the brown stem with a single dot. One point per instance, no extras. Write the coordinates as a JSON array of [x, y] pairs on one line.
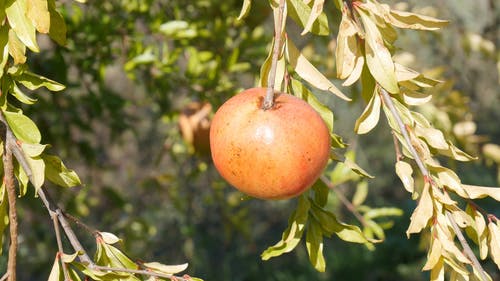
[[425, 172], [269, 98], [344, 201], [8, 180], [399, 155], [55, 221], [141, 272]]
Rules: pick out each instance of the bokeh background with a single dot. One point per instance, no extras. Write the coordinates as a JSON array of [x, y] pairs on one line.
[[135, 69]]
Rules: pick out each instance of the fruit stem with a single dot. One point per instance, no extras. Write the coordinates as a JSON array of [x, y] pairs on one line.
[[269, 98]]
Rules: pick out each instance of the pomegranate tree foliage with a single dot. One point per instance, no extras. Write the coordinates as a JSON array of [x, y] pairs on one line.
[[177, 51]]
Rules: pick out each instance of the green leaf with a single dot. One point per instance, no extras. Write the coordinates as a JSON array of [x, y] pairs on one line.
[[314, 245], [383, 212], [321, 192], [378, 57], [23, 128], [280, 70], [292, 235], [57, 172], [108, 255], [37, 166], [57, 30], [21, 24], [163, 268], [20, 96], [370, 116], [33, 150], [300, 13], [22, 179], [302, 92], [357, 169], [4, 47], [330, 225], [38, 12], [308, 72], [360, 194], [34, 81], [347, 47], [245, 8]]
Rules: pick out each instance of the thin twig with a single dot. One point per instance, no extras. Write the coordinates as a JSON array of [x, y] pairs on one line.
[[399, 155], [269, 98], [467, 250], [344, 200], [425, 172], [55, 221], [5, 276], [8, 167]]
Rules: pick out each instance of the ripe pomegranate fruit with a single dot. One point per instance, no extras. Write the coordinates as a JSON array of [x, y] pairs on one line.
[[269, 154]]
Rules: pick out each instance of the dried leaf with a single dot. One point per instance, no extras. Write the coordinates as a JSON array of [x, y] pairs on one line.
[[316, 11], [370, 116], [300, 12], [494, 241], [404, 172], [409, 20], [433, 137], [434, 254], [476, 191], [423, 212], [347, 47], [415, 98], [378, 57], [308, 72]]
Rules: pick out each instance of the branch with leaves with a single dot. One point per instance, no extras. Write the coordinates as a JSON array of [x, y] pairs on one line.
[[364, 53]]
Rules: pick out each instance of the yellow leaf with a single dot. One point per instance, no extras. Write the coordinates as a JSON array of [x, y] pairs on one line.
[[378, 57], [16, 48], [434, 255], [404, 172], [433, 137], [478, 230], [437, 272], [25, 31], [449, 179], [494, 242], [316, 11], [308, 72], [415, 98], [38, 12], [357, 71], [476, 191], [347, 47], [370, 116], [423, 213], [245, 8], [409, 20]]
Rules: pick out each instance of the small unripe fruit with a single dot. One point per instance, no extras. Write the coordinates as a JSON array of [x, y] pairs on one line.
[[269, 154]]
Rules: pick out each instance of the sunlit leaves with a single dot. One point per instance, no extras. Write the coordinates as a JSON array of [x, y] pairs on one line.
[[378, 57], [494, 241], [56, 172], [57, 30], [300, 12], [166, 269], [370, 116], [314, 244], [38, 12], [293, 233], [23, 127], [316, 12], [308, 72], [404, 172], [409, 20], [422, 214], [21, 24], [475, 191]]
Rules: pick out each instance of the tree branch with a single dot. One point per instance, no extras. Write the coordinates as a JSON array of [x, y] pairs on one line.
[[142, 272], [55, 221], [425, 172], [8, 180], [269, 98]]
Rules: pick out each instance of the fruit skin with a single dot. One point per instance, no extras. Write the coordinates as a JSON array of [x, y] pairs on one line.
[[269, 154]]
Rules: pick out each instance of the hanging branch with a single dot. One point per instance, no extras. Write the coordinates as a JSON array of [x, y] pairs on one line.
[[269, 98], [425, 172], [8, 180]]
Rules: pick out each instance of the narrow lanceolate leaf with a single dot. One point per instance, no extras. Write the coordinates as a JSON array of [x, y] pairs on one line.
[[308, 72], [166, 269], [475, 191], [266, 68], [37, 171], [21, 24], [494, 241], [347, 47], [4, 47], [477, 232], [300, 13], [56, 172], [404, 172], [55, 272], [314, 244], [316, 11], [433, 255], [378, 57], [245, 8], [292, 235], [422, 214], [437, 272], [370, 116], [38, 12], [34, 81], [409, 20], [411, 97]]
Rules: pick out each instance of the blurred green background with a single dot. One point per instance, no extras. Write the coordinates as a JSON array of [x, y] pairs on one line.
[[134, 68]]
